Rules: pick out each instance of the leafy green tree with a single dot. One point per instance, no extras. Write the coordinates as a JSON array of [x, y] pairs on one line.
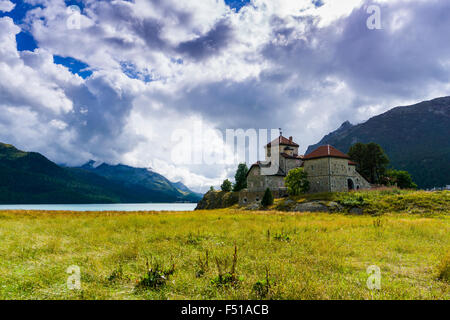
[[211, 188], [400, 178], [267, 199], [297, 182], [240, 177], [371, 159], [226, 185]]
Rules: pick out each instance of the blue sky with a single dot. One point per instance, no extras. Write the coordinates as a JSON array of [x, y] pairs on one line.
[[25, 40], [134, 72]]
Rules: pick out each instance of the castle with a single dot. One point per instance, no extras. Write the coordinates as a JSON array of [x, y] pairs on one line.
[[328, 169]]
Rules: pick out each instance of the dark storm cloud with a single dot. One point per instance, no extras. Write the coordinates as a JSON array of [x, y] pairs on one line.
[[150, 30], [387, 62], [209, 44]]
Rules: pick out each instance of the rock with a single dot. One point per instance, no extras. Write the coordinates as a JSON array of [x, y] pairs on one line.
[[334, 206], [356, 210], [311, 207], [288, 202], [217, 200], [253, 206]]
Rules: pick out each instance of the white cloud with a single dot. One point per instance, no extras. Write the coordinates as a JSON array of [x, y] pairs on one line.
[[274, 63], [6, 6]]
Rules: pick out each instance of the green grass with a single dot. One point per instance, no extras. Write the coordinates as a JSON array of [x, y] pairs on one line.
[[280, 255], [380, 201]]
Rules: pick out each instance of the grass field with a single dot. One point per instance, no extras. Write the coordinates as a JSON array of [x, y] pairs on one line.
[[280, 255]]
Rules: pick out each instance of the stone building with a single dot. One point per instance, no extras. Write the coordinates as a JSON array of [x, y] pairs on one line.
[[328, 169]]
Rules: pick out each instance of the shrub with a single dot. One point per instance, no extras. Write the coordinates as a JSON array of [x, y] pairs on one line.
[[117, 274], [202, 265], [261, 288], [267, 199], [297, 182], [226, 185], [240, 177], [282, 236], [155, 277], [224, 278]]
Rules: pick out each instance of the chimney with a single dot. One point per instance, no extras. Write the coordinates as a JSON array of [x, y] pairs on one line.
[[290, 139]]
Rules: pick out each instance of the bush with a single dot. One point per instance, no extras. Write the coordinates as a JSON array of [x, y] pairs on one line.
[[267, 199], [261, 288], [297, 182], [155, 277], [226, 185], [400, 178], [240, 177], [224, 278]]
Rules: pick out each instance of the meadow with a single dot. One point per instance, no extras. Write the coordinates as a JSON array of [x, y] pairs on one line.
[[191, 255]]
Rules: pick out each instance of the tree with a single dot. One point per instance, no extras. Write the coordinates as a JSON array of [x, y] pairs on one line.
[[211, 188], [267, 199], [371, 159], [226, 185], [297, 182], [400, 178], [240, 177]]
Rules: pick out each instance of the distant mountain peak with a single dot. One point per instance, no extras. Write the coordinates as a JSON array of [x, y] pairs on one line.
[[345, 125], [92, 164], [414, 137]]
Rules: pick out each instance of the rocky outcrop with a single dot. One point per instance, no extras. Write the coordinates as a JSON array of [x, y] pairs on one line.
[[314, 206], [218, 200]]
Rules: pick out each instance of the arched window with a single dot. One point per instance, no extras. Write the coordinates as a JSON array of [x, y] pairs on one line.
[[351, 185]]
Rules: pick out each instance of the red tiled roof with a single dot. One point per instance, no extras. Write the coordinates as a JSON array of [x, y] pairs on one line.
[[326, 151], [283, 141], [352, 163]]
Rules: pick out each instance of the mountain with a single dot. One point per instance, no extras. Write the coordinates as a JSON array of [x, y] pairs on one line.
[[143, 181], [181, 187], [415, 138], [30, 178]]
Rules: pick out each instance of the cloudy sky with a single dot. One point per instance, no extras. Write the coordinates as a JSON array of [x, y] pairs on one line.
[[113, 80]]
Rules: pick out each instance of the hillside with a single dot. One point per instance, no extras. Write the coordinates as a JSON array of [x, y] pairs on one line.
[[143, 181], [416, 139], [30, 178]]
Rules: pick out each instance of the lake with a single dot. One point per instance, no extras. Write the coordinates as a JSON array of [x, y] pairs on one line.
[[103, 207]]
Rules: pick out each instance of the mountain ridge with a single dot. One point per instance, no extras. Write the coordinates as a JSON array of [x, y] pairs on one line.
[[414, 137], [31, 178]]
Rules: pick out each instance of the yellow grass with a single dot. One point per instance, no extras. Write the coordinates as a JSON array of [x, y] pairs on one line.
[[309, 256]]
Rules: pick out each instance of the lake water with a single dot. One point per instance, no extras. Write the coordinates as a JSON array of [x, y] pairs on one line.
[[104, 207]]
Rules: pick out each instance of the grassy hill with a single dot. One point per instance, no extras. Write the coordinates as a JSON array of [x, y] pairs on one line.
[[416, 139], [374, 202]]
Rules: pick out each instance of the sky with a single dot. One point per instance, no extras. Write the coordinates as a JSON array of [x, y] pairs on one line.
[[113, 81]]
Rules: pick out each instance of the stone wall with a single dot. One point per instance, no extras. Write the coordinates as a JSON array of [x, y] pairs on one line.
[[259, 183], [246, 197], [333, 175], [359, 181]]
